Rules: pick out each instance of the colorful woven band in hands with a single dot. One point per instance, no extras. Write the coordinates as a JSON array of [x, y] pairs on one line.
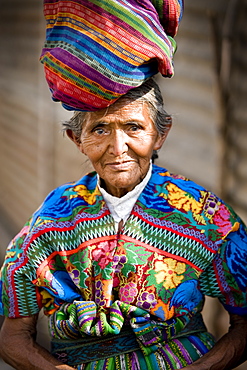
[[97, 50]]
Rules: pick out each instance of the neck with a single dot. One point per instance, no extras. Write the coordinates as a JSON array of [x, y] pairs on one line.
[[116, 192]]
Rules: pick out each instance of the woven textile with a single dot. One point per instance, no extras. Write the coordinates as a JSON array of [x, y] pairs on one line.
[[143, 336], [180, 243], [96, 50]]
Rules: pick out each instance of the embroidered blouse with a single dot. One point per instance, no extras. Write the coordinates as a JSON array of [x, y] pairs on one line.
[[121, 208], [179, 243]]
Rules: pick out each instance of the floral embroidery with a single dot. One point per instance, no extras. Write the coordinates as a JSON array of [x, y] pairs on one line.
[[222, 219], [85, 261], [147, 299], [102, 292], [128, 292], [182, 200], [119, 261], [103, 254], [169, 272], [75, 275], [211, 206], [83, 192]]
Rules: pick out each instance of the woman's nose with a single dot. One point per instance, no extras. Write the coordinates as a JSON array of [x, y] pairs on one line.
[[118, 143]]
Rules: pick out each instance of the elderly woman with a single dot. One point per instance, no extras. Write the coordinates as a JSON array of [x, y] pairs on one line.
[[120, 260]]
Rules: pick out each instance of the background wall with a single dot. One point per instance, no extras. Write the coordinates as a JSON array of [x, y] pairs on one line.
[[207, 98]]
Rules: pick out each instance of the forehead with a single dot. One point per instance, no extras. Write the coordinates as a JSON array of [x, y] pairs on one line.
[[121, 110]]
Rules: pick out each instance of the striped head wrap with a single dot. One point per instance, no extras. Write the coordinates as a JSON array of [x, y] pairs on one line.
[[97, 50]]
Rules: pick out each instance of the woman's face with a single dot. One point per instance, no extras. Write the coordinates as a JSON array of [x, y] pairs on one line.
[[119, 141]]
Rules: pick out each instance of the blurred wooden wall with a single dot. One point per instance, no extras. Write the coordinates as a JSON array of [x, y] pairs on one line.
[[207, 98]]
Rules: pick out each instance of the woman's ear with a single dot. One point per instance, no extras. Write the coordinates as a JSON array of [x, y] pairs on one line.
[[161, 139], [74, 138]]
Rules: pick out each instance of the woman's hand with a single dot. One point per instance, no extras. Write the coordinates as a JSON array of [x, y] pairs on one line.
[[19, 349], [229, 352]]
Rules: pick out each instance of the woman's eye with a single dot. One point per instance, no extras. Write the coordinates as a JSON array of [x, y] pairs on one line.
[[99, 130], [134, 128]]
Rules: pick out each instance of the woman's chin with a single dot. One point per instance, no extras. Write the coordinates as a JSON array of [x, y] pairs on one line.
[[121, 183]]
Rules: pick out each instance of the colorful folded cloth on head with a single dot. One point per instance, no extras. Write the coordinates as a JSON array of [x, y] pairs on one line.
[[97, 50]]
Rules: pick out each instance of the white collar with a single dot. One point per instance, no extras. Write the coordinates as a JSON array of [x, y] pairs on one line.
[[121, 208]]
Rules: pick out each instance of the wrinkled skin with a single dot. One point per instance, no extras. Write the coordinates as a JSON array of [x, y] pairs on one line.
[[119, 142], [19, 349]]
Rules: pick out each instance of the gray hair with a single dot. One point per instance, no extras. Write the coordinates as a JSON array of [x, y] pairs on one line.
[[149, 92]]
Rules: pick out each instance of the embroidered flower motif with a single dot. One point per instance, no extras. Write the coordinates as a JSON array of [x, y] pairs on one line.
[[83, 192], [119, 261], [211, 206], [146, 300], [169, 271], [99, 296], [128, 292], [103, 292], [182, 200], [75, 276], [222, 219], [104, 253]]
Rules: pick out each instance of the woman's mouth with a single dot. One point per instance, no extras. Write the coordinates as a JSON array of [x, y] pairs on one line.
[[120, 166]]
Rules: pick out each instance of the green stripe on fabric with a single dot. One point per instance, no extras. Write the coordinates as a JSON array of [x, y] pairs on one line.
[[208, 340], [134, 21], [158, 4], [193, 352], [153, 362], [142, 360], [107, 39]]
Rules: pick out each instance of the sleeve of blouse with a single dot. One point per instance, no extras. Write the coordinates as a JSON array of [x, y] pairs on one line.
[[18, 295], [226, 276], [20, 289]]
